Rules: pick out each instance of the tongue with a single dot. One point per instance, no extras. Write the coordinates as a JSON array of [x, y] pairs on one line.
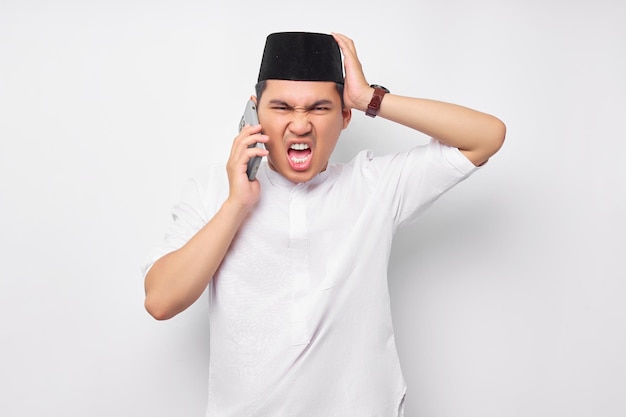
[[293, 153]]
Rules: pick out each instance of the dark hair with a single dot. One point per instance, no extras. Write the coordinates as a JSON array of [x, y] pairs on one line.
[[260, 87]]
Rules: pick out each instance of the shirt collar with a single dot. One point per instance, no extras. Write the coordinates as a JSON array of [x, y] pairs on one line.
[[279, 180]]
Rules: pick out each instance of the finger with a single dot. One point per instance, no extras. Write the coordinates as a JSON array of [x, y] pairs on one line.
[[238, 165], [345, 44], [249, 134], [351, 60], [242, 143], [250, 129], [251, 140], [256, 151]]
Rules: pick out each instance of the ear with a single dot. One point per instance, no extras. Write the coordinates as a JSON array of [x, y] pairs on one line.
[[253, 98], [346, 113]]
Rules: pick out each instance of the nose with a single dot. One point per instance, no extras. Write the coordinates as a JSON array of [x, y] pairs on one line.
[[300, 124]]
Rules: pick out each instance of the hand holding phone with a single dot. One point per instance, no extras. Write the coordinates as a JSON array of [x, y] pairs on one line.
[[250, 118]]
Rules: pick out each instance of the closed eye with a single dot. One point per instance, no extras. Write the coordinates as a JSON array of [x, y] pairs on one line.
[[321, 107], [280, 106]]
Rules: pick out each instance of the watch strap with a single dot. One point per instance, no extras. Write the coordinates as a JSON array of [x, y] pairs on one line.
[[374, 106]]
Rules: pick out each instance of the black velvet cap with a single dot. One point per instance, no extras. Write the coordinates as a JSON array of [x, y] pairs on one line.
[[301, 56]]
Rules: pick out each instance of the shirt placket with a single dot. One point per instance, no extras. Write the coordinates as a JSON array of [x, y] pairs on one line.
[[300, 271]]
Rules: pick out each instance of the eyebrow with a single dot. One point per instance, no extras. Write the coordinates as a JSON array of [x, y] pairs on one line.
[[322, 102]]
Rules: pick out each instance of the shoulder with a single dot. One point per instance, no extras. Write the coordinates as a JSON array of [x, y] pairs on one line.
[[205, 187], [432, 157]]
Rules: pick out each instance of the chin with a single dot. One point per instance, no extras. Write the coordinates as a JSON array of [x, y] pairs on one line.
[[293, 175], [299, 176]]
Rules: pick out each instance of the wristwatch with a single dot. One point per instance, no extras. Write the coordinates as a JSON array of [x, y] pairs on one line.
[[377, 98]]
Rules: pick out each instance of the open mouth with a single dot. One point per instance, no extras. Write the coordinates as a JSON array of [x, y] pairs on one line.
[[299, 156]]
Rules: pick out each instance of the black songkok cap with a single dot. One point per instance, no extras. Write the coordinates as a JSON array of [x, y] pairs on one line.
[[301, 56]]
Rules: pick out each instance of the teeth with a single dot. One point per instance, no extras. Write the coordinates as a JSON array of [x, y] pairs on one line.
[[299, 146], [299, 160]]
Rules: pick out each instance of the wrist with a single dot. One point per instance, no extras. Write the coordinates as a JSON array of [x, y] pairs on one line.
[[364, 99], [235, 209]]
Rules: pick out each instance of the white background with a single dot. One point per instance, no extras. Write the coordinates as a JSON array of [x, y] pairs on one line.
[[509, 294]]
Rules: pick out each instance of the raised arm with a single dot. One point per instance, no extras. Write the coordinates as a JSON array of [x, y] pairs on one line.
[[477, 135], [176, 280]]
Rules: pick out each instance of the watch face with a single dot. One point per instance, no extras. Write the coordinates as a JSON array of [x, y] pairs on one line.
[[381, 87]]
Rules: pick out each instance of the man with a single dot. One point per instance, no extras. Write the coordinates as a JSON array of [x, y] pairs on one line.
[[296, 260]]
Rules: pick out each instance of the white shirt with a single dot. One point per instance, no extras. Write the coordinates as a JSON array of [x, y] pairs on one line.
[[299, 308]]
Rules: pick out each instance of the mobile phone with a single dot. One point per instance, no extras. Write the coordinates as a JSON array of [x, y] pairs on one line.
[[250, 118]]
